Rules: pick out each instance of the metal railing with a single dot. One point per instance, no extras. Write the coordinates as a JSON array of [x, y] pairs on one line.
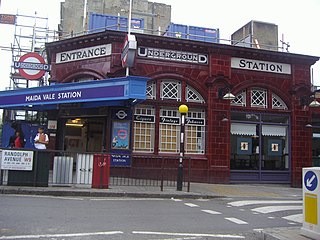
[[62, 168]]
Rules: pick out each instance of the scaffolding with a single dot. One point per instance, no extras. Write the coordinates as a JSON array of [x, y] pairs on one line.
[[31, 33]]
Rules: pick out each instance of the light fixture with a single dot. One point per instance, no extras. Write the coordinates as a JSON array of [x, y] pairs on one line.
[[225, 94], [77, 122], [225, 119], [308, 125], [314, 103]]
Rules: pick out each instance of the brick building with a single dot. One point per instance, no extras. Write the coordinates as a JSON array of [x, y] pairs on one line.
[[259, 136]]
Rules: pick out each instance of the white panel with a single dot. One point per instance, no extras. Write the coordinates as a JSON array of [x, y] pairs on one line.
[[84, 168], [243, 129], [62, 170]]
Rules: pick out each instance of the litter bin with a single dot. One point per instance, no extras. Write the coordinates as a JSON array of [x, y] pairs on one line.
[[38, 177], [101, 171]]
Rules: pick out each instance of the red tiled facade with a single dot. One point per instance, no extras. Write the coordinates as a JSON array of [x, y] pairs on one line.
[[207, 79]]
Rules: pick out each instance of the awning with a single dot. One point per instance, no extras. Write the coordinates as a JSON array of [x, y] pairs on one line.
[[243, 129], [124, 91], [271, 130]]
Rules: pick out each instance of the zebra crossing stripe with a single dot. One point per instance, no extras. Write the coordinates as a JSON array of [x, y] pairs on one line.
[[191, 205], [295, 218], [271, 209], [236, 220], [211, 212], [253, 202]]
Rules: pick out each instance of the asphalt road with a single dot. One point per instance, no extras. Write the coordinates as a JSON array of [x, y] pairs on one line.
[[42, 217]]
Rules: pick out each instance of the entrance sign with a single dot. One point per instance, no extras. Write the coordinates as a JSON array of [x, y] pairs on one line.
[[311, 205], [83, 53], [31, 66], [16, 160]]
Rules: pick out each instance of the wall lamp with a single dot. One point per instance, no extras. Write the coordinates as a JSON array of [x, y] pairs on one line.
[[304, 101], [225, 94], [224, 118]]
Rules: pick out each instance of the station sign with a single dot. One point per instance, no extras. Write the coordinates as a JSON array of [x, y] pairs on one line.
[[31, 66], [7, 19], [129, 51]]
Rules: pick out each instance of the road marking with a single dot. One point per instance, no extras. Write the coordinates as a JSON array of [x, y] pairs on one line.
[[271, 209], [211, 212], [61, 235], [253, 202], [128, 199], [236, 220], [295, 218], [191, 205], [191, 234], [176, 200]]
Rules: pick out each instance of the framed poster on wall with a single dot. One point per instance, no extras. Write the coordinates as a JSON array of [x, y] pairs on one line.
[[244, 145], [274, 147], [120, 135]]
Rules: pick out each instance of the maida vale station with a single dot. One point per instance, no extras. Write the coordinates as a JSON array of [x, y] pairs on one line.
[[165, 100]]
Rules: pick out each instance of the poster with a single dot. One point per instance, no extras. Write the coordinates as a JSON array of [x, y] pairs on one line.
[[274, 147], [120, 135], [244, 145]]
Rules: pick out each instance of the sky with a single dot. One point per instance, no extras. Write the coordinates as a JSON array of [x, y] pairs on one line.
[[297, 22]]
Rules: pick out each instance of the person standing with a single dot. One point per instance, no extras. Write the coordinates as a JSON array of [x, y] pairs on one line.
[[41, 140], [17, 140]]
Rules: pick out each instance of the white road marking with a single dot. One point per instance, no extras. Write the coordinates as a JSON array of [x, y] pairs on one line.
[[236, 220], [211, 212], [191, 234], [128, 199], [271, 209], [295, 218], [60, 235], [191, 205], [253, 202], [176, 200]]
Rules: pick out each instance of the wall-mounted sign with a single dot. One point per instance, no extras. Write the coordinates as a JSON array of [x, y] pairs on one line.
[[16, 160], [31, 66], [120, 160], [262, 66], [244, 145], [172, 55], [195, 121], [274, 147], [8, 19], [84, 53], [129, 51], [143, 118], [170, 120]]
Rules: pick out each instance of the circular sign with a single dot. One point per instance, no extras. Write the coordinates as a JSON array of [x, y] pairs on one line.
[[31, 74], [310, 180]]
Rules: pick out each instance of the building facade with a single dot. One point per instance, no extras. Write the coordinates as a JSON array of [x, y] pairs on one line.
[[259, 136]]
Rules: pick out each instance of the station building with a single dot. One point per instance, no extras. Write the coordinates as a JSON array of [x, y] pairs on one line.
[[261, 135]]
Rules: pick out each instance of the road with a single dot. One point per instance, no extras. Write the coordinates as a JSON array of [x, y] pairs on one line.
[[59, 218]]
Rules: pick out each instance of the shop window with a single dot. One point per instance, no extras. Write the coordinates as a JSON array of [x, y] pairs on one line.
[[169, 131], [259, 98], [144, 127], [170, 90], [193, 96], [240, 99], [278, 103], [151, 90], [195, 132]]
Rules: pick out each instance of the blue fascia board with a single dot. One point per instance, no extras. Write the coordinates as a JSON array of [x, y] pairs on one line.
[[106, 92]]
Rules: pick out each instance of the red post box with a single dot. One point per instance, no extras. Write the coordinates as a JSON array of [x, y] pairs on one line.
[[101, 171]]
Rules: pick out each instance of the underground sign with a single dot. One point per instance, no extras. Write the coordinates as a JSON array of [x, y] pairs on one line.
[[31, 66]]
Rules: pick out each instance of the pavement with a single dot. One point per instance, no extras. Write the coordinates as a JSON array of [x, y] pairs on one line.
[[197, 190]]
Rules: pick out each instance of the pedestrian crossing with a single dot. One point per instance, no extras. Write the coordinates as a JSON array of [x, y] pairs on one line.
[[273, 206], [290, 210]]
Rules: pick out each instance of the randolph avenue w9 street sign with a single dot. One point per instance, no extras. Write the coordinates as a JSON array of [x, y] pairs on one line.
[[31, 66]]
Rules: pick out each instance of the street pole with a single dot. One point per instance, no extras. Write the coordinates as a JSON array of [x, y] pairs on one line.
[[129, 29], [183, 109]]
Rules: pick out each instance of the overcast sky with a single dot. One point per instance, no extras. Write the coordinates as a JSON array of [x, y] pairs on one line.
[[297, 21]]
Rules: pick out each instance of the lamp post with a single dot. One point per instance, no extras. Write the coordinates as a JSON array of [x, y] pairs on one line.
[[183, 109]]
